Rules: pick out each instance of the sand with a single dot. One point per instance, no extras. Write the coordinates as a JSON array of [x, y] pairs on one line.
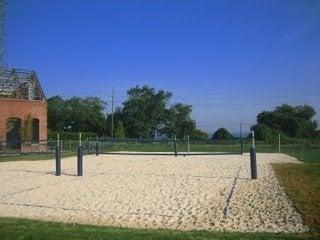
[[192, 192]]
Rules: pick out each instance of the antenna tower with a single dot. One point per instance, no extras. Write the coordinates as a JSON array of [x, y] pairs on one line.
[[2, 35]]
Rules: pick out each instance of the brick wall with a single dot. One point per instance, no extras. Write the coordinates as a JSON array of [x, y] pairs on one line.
[[15, 108]]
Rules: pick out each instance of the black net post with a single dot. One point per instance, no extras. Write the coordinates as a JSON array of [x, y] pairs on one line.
[[97, 146], [253, 163], [175, 146], [58, 157], [80, 157]]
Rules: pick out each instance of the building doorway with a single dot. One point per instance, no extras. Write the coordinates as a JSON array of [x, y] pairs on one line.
[[13, 138]]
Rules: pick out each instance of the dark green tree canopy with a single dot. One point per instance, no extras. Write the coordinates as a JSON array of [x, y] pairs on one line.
[[293, 121], [178, 121], [119, 131], [222, 134], [144, 111], [199, 135], [76, 114]]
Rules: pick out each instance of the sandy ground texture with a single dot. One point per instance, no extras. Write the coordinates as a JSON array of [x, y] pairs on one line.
[[192, 192]]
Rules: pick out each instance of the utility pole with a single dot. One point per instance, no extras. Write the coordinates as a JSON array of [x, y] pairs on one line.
[[112, 124], [2, 36]]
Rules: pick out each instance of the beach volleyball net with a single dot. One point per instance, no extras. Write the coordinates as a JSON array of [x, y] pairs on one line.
[[164, 146]]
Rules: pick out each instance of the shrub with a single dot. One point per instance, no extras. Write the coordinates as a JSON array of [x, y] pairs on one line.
[[222, 134], [71, 135]]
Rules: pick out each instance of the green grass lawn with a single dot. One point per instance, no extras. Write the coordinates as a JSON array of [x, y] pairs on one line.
[[11, 229], [302, 184], [35, 157]]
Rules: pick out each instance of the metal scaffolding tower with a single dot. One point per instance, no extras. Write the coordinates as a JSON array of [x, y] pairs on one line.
[[2, 35]]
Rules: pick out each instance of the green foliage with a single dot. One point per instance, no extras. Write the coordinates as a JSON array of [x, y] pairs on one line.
[[293, 121], [76, 114], [264, 133], [143, 111], [26, 133], [146, 113], [178, 121], [119, 131], [222, 134], [199, 135], [71, 135]]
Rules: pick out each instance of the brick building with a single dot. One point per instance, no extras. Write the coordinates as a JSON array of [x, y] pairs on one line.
[[22, 106]]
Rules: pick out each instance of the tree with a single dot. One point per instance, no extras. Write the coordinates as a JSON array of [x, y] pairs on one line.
[[117, 116], [26, 132], [199, 135], [143, 111], [264, 133], [119, 131], [57, 113], [222, 134], [292, 121], [76, 114], [178, 121]]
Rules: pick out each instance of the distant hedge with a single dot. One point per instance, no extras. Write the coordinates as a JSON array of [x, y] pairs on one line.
[[70, 135]]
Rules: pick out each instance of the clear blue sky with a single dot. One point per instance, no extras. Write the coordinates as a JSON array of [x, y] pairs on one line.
[[229, 59]]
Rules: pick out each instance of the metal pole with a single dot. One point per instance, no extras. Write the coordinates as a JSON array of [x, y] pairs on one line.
[[88, 145], [51, 146], [188, 139], [80, 157], [241, 140], [253, 143], [58, 157], [112, 124], [97, 146], [253, 163], [279, 144], [302, 150], [175, 145]]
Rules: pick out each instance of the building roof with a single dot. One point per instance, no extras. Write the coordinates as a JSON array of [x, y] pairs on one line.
[[20, 84]]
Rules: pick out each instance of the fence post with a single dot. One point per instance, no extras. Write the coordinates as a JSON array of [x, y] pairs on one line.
[[253, 142], [302, 150], [51, 145], [253, 163], [58, 157], [188, 139], [80, 157], [97, 146], [241, 140], [175, 145], [88, 146], [279, 144]]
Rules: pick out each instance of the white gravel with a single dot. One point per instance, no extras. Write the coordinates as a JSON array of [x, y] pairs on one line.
[[192, 192]]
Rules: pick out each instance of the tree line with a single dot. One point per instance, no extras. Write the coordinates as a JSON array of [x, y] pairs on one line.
[[148, 113], [291, 122]]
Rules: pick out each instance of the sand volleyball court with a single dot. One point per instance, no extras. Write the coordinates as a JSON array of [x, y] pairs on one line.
[[192, 192]]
